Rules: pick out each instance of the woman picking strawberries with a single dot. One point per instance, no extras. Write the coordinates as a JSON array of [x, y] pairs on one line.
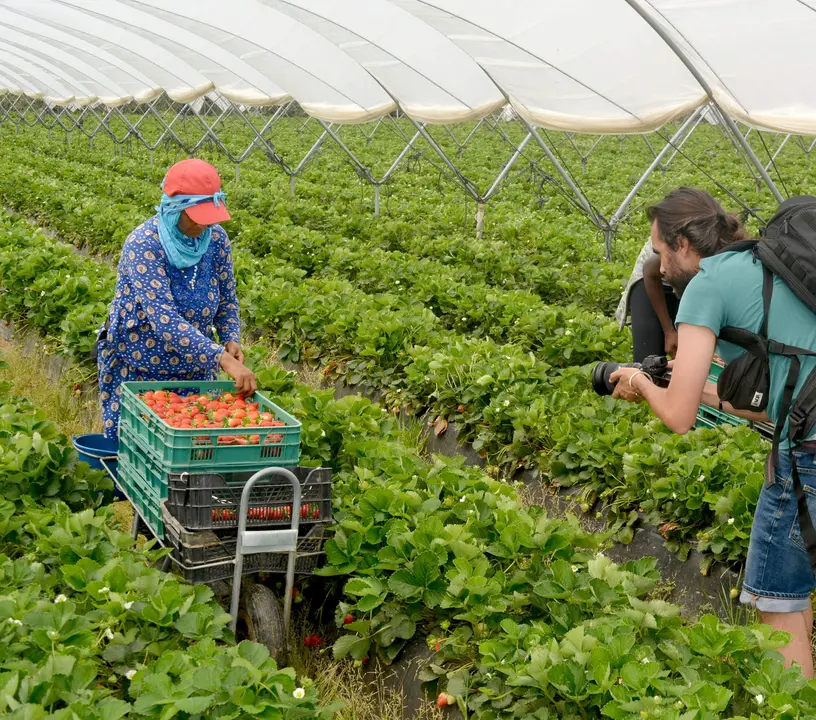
[[175, 289]]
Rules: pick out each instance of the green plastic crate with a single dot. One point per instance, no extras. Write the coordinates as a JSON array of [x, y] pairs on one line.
[[711, 417], [716, 369], [139, 481], [198, 449], [148, 468]]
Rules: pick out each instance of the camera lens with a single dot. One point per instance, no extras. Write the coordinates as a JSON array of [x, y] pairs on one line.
[[600, 377]]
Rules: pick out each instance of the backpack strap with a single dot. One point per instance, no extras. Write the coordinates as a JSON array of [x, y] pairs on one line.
[[805, 521], [767, 294], [739, 246], [755, 343]]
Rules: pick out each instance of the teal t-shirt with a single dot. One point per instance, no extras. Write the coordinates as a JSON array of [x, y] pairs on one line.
[[728, 291]]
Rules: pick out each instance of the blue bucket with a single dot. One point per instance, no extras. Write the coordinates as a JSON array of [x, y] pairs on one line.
[[96, 448]]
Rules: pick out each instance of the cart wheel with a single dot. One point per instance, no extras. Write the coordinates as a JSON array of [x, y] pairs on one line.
[[261, 616]]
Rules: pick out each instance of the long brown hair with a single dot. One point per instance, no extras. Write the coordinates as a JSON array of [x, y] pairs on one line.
[[695, 215]]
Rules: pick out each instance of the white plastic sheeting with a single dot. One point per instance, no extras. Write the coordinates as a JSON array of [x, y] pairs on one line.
[[577, 65]]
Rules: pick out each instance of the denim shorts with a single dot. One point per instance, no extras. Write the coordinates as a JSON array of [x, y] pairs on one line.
[[778, 577]]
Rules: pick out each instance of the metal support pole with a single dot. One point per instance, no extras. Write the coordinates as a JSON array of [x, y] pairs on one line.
[[635, 5], [778, 150], [360, 167], [400, 157], [470, 134], [466, 184], [679, 146], [309, 155], [691, 121], [506, 169], [740, 151], [377, 200], [649, 145], [597, 219], [480, 211]]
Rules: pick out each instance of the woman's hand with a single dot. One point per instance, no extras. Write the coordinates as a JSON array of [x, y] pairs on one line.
[[234, 349], [624, 389], [244, 377]]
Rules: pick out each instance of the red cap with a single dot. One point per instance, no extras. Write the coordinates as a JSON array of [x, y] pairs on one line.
[[196, 177]]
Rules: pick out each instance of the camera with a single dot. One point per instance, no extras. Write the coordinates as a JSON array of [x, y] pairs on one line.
[[655, 366]]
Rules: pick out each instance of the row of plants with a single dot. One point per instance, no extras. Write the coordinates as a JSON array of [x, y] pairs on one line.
[[461, 302], [523, 616], [550, 256], [88, 628], [514, 408], [542, 246]]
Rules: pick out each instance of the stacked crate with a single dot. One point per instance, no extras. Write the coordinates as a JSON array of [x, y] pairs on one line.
[[187, 484]]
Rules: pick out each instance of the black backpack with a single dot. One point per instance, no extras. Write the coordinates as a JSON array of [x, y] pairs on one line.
[[786, 249]]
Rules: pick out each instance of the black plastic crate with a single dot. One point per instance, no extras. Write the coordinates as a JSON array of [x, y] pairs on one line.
[[204, 556], [211, 501]]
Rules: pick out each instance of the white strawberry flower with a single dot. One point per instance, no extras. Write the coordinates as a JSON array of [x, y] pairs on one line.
[[574, 568], [645, 661], [14, 621], [60, 599], [130, 674], [299, 694], [104, 590], [108, 634], [128, 604], [760, 699], [701, 478], [730, 521]]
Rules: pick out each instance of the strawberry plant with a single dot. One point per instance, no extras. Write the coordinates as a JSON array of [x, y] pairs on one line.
[[88, 628]]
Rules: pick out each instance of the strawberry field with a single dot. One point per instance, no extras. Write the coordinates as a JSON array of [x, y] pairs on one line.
[[524, 615]]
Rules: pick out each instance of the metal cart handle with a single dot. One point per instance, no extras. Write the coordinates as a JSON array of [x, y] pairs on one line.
[[110, 472], [255, 541]]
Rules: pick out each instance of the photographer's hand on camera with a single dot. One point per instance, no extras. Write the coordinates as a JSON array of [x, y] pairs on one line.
[[627, 383]]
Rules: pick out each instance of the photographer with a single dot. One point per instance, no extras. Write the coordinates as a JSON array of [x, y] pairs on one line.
[[726, 291]]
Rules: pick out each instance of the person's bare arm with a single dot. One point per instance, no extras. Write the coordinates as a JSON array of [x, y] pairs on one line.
[[712, 399], [653, 282]]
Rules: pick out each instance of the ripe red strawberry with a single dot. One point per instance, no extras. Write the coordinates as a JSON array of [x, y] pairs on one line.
[[438, 645], [317, 641], [307, 641], [442, 700], [348, 619]]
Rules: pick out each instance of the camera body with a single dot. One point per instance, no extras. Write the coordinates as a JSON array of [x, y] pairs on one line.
[[655, 366]]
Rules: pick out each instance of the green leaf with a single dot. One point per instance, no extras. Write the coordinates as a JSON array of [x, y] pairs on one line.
[[194, 705], [354, 645]]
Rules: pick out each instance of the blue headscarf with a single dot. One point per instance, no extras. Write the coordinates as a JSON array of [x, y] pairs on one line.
[[183, 251]]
